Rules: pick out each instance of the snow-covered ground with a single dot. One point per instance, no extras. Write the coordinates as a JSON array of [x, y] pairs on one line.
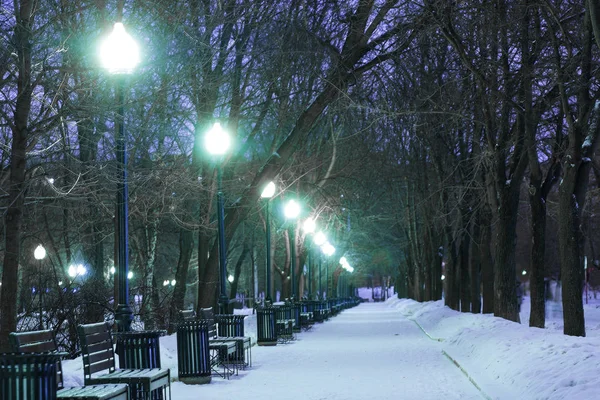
[[409, 350]]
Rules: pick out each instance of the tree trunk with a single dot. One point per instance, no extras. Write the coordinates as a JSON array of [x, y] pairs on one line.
[[474, 270], [236, 275], [505, 290], [16, 192], [186, 242], [465, 291], [487, 263], [538, 250]]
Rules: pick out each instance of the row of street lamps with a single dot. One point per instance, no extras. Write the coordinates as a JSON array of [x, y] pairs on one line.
[[120, 55]]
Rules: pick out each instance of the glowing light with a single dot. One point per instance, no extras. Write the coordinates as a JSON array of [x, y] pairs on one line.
[[39, 253], [230, 278], [309, 225], [328, 249], [268, 191], [443, 277], [217, 140], [129, 275], [292, 209], [320, 238], [119, 53]]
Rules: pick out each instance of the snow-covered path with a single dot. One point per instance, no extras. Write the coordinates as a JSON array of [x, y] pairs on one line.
[[366, 352]]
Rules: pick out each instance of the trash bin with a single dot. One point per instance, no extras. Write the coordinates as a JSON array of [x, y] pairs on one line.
[[265, 327], [28, 376], [193, 354], [296, 310], [138, 349]]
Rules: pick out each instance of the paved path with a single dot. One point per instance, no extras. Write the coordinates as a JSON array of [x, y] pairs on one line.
[[366, 352]]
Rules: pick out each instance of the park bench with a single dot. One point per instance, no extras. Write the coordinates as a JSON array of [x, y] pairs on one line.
[[230, 327], [222, 351], [44, 341], [98, 355]]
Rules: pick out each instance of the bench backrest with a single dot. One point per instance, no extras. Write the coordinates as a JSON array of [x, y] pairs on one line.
[[187, 315], [96, 348], [209, 315], [37, 342]]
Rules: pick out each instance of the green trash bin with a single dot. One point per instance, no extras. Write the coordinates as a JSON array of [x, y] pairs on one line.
[[266, 335], [193, 353], [28, 376]]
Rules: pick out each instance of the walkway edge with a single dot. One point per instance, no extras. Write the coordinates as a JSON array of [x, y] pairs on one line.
[[425, 332], [469, 377]]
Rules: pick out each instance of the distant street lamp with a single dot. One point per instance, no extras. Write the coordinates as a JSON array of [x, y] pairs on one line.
[[327, 249], [291, 211], [119, 54], [320, 240], [217, 143], [309, 227], [267, 193], [40, 253]]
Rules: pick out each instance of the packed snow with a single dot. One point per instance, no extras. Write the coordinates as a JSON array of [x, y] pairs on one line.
[[408, 350]]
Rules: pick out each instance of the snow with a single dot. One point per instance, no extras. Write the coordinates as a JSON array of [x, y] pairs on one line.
[[409, 350]]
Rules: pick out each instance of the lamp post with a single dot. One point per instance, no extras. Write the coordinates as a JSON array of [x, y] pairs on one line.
[[320, 239], [40, 253], [328, 250], [309, 227], [268, 193], [217, 143], [291, 211], [119, 55]]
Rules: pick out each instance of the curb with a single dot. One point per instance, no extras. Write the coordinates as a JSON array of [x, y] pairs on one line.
[[464, 371], [460, 367], [425, 332]]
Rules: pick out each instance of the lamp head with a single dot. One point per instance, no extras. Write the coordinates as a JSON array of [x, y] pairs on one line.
[[119, 53], [292, 209], [39, 253], [268, 191], [217, 140], [309, 225], [328, 249], [320, 238]]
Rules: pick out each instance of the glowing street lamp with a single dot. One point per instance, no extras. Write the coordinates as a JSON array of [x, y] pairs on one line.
[[217, 143], [291, 211], [39, 254], [267, 193], [119, 55]]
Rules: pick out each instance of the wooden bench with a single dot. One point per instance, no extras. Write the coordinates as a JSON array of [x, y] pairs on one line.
[[45, 342], [98, 356], [222, 351]]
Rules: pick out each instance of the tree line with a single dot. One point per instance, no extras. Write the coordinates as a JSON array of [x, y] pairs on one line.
[[413, 130]]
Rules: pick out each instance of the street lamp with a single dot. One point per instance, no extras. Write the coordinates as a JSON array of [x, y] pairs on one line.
[[327, 249], [320, 240], [309, 227], [291, 211], [268, 193], [40, 253], [217, 143], [119, 54]]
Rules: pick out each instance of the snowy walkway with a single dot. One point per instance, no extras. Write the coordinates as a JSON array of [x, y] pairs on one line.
[[370, 351]]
